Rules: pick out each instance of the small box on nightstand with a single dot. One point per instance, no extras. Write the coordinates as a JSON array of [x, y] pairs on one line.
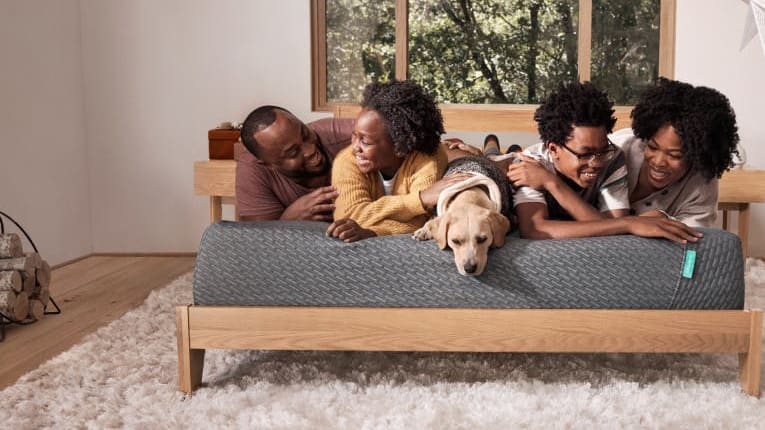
[[221, 143]]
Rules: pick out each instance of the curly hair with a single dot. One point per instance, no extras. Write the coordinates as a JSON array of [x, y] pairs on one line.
[[411, 116], [702, 117], [575, 104]]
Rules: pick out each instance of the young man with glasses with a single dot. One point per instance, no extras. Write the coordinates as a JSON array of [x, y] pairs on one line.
[[574, 183]]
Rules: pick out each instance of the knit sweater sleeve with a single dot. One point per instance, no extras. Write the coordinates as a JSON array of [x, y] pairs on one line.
[[361, 197]]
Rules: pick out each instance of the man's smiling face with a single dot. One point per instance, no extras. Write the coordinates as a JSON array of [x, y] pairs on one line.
[[292, 148]]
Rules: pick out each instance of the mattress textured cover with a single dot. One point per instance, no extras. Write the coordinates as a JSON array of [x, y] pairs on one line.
[[292, 263]]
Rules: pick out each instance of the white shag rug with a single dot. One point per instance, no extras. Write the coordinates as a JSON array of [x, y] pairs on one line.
[[125, 376]]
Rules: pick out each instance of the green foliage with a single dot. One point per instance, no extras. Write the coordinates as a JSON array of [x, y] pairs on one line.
[[625, 47], [492, 51], [361, 46]]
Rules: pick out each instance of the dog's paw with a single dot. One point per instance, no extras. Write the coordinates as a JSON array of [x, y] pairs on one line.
[[422, 233]]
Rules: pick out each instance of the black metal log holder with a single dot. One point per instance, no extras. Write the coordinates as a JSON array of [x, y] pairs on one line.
[[6, 319]]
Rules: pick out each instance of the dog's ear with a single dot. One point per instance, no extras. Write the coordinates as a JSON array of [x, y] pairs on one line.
[[439, 229], [499, 227]]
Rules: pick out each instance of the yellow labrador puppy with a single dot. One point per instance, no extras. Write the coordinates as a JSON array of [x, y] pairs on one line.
[[469, 221]]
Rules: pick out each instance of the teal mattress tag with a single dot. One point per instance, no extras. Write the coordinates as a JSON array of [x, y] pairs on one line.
[[689, 263]]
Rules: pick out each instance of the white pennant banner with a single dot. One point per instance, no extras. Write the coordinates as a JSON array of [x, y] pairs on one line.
[[755, 23]]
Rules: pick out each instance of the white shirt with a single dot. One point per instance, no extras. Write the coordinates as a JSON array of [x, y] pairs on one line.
[[609, 192], [387, 183], [692, 199]]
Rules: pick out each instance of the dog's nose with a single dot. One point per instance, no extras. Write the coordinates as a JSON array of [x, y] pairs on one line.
[[470, 267]]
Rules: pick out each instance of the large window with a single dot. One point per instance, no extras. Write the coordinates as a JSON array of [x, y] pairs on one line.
[[490, 51]]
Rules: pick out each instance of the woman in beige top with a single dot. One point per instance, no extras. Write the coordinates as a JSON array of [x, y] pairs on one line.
[[682, 140]]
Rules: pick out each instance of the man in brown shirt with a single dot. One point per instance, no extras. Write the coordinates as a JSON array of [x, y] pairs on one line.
[[285, 171]]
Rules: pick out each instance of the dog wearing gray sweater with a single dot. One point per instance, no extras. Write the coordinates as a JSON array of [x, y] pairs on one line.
[[470, 216]]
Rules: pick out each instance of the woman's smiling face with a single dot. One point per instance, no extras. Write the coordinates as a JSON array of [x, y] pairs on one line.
[[664, 162], [373, 148]]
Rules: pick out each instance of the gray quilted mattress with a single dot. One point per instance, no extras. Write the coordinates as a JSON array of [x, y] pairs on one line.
[[292, 263]]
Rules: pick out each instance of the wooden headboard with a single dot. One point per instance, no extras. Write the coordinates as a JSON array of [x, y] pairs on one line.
[[483, 118], [488, 118]]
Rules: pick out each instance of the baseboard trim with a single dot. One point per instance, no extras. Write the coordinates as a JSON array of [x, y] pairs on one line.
[[68, 262], [124, 254]]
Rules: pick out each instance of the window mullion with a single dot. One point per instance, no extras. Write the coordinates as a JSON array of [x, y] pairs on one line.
[[319, 54], [667, 39], [584, 56], [402, 38]]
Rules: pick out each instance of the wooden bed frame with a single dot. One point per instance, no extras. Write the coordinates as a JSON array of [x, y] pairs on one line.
[[464, 330]]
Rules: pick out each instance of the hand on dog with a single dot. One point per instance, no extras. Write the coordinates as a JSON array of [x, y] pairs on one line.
[[429, 196], [316, 205], [457, 144], [348, 231], [529, 172], [652, 226]]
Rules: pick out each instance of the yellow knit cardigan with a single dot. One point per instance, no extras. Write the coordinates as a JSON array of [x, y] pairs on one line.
[[363, 200]]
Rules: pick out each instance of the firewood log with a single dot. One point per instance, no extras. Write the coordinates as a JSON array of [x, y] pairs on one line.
[[10, 280], [43, 274], [28, 282], [36, 309], [7, 302], [21, 308], [14, 305], [10, 246], [36, 259], [22, 264], [43, 296]]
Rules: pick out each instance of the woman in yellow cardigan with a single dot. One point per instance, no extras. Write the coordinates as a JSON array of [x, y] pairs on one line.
[[389, 178]]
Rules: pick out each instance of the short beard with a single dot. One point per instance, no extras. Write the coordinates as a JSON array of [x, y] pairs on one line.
[[325, 169]]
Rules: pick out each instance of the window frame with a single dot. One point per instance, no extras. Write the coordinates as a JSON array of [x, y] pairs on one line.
[[518, 117]]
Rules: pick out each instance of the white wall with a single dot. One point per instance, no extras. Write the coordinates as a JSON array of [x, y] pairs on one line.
[[43, 166], [707, 53], [158, 75]]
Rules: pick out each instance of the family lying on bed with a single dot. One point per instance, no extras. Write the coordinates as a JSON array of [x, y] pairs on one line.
[[383, 173]]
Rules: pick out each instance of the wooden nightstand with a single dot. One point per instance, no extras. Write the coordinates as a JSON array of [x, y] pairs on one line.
[[217, 179], [739, 188]]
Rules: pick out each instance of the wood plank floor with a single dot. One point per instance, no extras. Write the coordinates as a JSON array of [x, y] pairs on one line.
[[91, 293]]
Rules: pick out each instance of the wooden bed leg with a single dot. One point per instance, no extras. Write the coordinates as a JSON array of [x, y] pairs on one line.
[[216, 208], [190, 361], [743, 228], [749, 362]]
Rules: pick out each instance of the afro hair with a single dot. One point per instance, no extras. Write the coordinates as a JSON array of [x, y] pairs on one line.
[[573, 105], [411, 117], [702, 117]]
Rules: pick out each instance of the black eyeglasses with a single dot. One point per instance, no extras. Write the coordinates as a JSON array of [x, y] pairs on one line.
[[600, 156]]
